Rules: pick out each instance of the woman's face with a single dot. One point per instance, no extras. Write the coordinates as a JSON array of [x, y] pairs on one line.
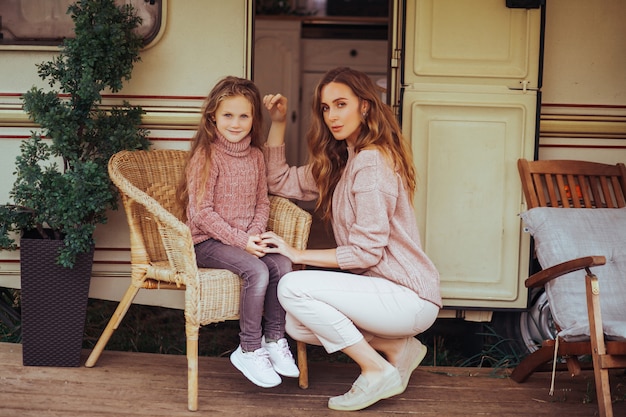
[[342, 111], [233, 118]]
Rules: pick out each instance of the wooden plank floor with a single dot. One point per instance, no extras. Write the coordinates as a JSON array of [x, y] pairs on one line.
[[144, 384]]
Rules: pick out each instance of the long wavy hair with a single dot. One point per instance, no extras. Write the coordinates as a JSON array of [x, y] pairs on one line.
[[206, 133], [379, 129]]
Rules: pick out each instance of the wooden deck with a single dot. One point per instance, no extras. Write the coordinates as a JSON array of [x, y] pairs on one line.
[[144, 384]]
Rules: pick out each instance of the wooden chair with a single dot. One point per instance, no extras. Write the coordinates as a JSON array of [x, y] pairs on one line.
[[163, 257], [576, 185]]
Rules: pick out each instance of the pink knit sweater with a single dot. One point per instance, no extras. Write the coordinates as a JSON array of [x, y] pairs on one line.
[[373, 219], [235, 203]]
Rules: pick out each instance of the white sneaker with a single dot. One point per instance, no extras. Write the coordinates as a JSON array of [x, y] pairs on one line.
[[256, 366], [281, 357]]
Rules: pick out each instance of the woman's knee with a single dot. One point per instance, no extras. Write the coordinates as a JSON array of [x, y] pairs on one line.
[[284, 285], [289, 286], [302, 283]]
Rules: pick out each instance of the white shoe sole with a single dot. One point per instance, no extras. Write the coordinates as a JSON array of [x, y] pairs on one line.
[[286, 374]]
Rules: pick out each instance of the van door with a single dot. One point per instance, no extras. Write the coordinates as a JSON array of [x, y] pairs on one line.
[[467, 91]]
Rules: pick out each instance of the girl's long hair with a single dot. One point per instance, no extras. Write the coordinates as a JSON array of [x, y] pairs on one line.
[[379, 129], [200, 152]]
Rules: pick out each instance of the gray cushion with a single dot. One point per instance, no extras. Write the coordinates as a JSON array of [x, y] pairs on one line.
[[562, 234]]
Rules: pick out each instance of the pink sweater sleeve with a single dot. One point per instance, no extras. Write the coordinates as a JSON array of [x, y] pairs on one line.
[[286, 181]]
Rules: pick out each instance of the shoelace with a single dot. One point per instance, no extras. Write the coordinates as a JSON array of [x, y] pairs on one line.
[[262, 357], [283, 349]]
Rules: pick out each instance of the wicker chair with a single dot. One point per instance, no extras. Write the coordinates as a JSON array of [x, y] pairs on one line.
[[163, 257]]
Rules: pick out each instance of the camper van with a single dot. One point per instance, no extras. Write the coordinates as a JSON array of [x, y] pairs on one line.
[[476, 85]]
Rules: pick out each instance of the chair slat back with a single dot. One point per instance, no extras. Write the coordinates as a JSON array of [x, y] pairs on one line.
[[155, 174], [573, 184]]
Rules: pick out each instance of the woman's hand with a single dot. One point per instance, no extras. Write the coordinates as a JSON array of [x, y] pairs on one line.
[[275, 244], [325, 258], [276, 104]]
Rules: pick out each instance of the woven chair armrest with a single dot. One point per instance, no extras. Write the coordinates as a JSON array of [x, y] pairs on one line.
[[289, 221]]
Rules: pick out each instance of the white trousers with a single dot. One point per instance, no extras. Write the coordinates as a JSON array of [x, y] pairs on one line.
[[338, 309]]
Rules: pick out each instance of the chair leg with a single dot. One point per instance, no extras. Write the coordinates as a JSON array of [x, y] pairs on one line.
[[603, 391], [192, 366], [112, 325], [573, 365], [598, 346], [303, 380], [531, 362]]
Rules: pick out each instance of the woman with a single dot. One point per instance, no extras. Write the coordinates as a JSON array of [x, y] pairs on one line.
[[362, 174]]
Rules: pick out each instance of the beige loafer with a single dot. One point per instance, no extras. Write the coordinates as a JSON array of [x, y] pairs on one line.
[[365, 392], [412, 355]]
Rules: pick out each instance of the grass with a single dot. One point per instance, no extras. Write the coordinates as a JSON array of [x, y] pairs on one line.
[[10, 325], [497, 352]]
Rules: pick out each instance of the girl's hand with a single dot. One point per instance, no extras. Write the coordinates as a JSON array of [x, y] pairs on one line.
[[276, 104], [255, 246], [275, 244]]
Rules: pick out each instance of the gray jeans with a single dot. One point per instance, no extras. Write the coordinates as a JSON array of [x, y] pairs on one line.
[[258, 293]]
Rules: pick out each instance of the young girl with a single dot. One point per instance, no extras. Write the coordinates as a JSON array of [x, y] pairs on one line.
[[361, 170], [227, 208]]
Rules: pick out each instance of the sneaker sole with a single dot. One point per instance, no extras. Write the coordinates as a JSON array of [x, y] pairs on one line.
[[235, 361], [287, 374]]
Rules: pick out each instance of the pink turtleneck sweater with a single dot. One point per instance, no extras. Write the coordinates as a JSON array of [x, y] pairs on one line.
[[235, 204], [372, 218]]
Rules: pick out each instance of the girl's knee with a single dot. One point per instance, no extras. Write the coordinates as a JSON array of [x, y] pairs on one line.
[[285, 266], [280, 265], [256, 274]]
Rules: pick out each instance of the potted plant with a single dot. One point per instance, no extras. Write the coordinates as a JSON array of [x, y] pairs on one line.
[[62, 189]]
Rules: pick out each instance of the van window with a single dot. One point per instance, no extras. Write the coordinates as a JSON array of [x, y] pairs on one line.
[[46, 22]]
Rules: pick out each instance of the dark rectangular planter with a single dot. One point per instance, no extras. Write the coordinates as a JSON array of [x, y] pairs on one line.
[[54, 304]]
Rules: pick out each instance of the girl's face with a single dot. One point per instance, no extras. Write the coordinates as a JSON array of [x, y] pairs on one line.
[[342, 111], [233, 118]]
